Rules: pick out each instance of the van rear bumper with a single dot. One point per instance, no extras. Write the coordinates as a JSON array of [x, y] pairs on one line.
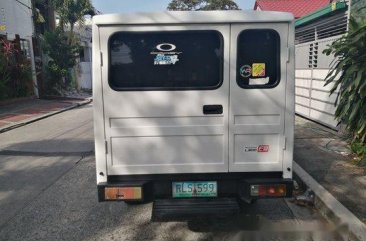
[[239, 185]]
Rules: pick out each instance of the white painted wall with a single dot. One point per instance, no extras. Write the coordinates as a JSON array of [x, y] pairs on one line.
[[16, 18], [313, 99], [85, 77]]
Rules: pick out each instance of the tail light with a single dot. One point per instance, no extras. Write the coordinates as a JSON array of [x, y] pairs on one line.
[[123, 193], [268, 190]]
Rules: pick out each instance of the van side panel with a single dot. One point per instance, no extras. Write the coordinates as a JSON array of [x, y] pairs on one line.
[[290, 104], [99, 132]]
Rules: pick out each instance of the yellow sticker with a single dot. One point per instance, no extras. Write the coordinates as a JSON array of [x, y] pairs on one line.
[[334, 6], [258, 69]]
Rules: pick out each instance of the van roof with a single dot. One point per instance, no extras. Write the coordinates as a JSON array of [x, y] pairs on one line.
[[178, 17]]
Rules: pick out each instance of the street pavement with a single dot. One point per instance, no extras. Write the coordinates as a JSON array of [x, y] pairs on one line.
[[48, 192], [327, 158]]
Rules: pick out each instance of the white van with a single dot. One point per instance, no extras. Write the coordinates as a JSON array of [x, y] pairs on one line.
[[193, 108]]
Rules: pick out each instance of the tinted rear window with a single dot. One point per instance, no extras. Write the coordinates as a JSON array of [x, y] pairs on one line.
[[258, 58], [172, 60]]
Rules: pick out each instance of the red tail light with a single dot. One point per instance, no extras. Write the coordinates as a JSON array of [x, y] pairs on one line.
[[268, 190]]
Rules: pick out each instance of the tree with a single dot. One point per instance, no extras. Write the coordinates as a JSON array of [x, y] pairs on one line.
[[197, 5], [61, 47], [72, 12], [62, 57]]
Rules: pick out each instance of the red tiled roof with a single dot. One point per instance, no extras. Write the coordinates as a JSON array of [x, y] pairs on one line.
[[298, 8]]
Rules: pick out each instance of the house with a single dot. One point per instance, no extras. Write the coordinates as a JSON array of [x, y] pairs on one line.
[[21, 21], [16, 26], [318, 23], [298, 8], [84, 67]]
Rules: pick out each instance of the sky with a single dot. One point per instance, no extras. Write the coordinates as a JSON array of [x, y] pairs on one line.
[[122, 6]]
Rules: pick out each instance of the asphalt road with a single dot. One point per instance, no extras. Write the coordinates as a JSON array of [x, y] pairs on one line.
[[48, 192]]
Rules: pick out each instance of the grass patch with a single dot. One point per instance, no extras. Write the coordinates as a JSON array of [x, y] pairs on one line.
[[359, 148]]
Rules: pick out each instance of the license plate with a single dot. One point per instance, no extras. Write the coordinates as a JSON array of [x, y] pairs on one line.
[[194, 189]]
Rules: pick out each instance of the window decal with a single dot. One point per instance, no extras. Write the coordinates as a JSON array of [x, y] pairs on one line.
[[245, 71], [165, 56], [259, 70]]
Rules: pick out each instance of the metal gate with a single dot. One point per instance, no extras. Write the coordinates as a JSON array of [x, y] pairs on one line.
[[313, 99]]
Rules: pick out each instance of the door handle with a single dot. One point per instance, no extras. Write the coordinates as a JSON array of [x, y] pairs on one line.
[[212, 109]]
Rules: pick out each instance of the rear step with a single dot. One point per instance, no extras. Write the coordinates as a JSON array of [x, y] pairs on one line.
[[189, 208]]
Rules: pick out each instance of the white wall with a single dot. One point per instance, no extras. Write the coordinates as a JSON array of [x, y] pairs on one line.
[[85, 77], [16, 18]]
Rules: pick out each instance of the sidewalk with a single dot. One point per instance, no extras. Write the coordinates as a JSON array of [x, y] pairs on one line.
[[28, 110], [325, 156]]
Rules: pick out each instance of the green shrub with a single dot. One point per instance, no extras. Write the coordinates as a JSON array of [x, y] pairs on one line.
[[15, 73], [350, 64], [360, 149], [62, 57], [4, 77]]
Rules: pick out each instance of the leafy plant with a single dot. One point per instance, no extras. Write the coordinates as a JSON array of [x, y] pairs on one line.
[[350, 65], [4, 76], [62, 57], [197, 5], [360, 149], [23, 74], [72, 12], [15, 72]]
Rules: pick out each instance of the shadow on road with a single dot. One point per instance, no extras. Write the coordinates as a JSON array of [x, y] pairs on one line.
[[69, 210]]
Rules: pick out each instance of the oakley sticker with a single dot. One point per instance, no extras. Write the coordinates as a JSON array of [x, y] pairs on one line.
[[166, 47], [165, 54]]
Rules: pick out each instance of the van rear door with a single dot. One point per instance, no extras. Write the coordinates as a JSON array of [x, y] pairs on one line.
[[258, 60], [165, 94]]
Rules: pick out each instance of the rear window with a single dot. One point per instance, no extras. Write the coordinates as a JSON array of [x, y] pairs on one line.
[[169, 60], [258, 59]]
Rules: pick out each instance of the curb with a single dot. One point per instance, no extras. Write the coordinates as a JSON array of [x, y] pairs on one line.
[[31, 120], [331, 208]]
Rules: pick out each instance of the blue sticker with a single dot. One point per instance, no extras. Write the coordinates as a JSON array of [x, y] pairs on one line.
[[162, 59]]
